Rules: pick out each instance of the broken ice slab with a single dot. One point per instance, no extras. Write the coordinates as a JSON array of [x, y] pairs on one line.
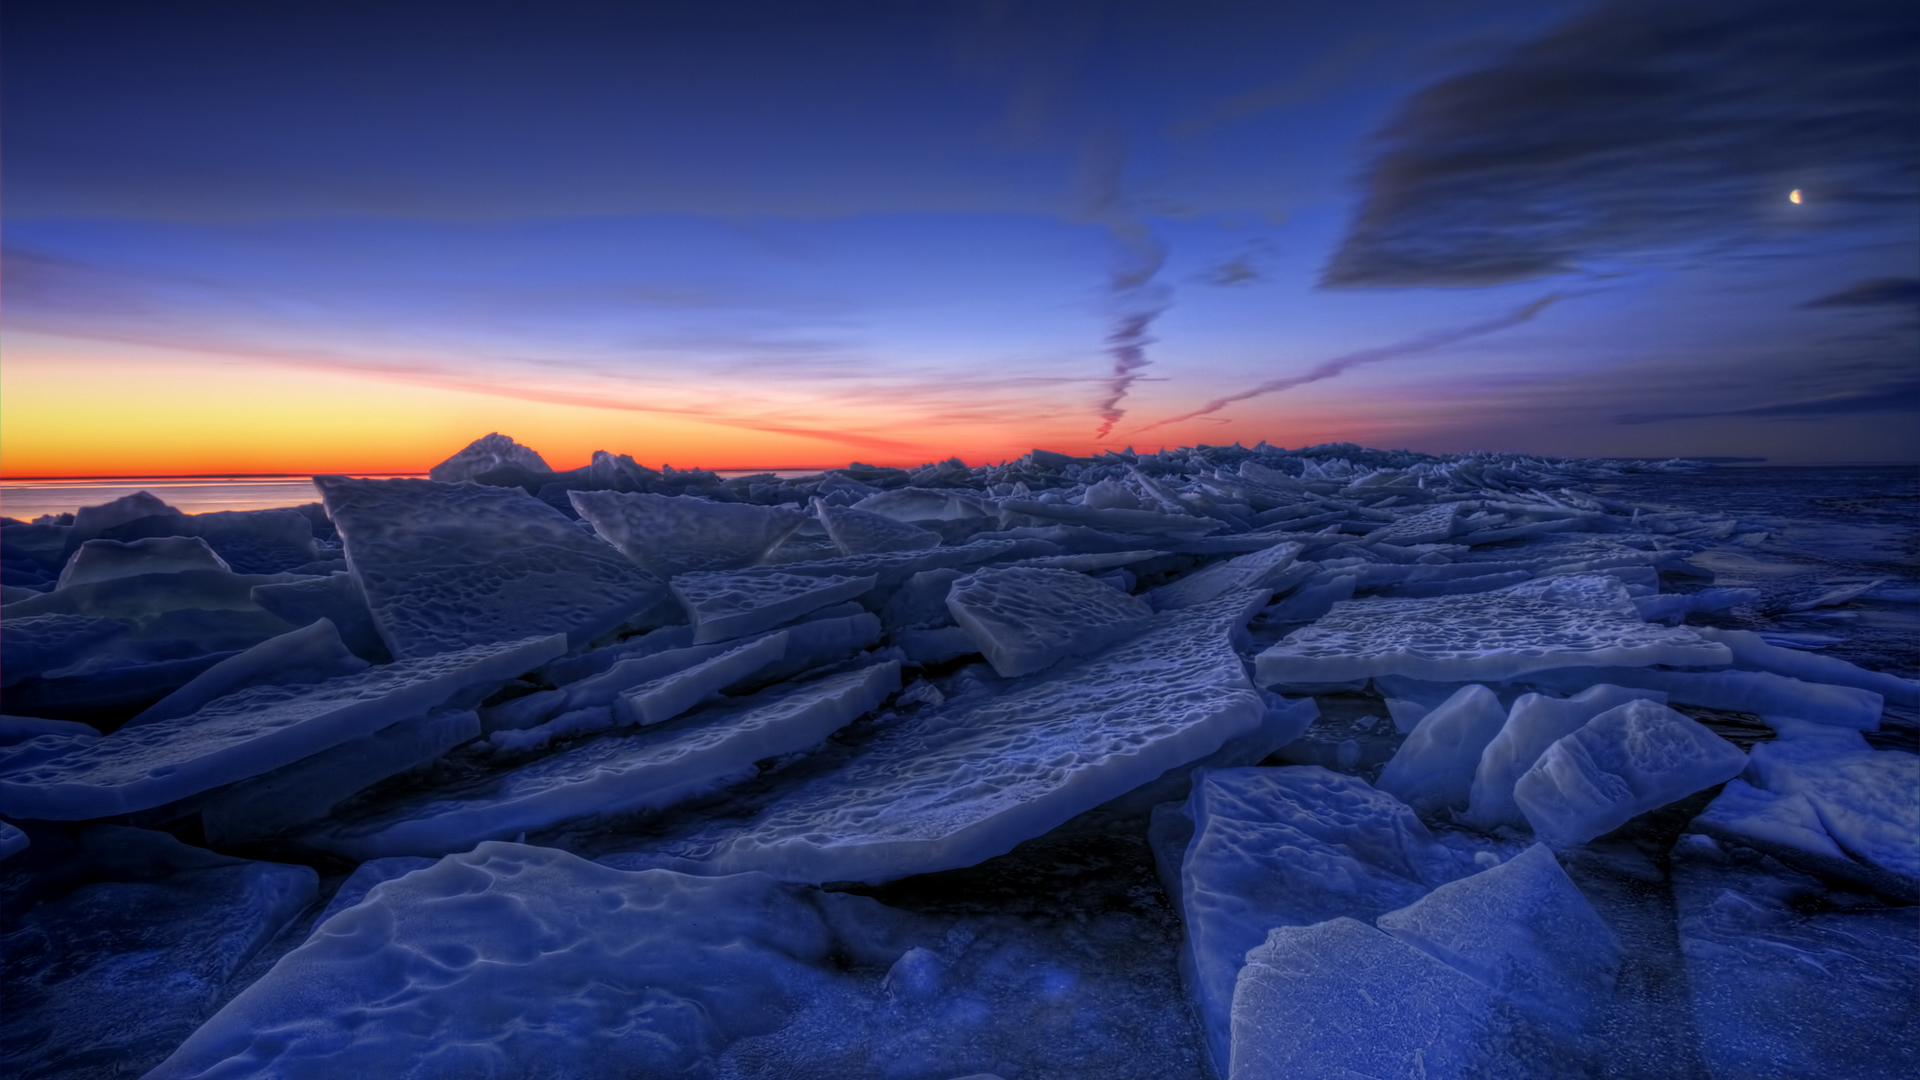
[[1534, 723], [509, 954], [314, 653], [109, 978], [448, 566], [1254, 570], [305, 790], [1761, 693], [674, 534], [1622, 763], [486, 453], [1751, 651], [104, 560], [34, 644], [1487, 637], [1135, 522], [1675, 607], [1788, 984], [336, 598], [620, 774], [1433, 769], [1026, 618], [1287, 846], [252, 732], [962, 782], [669, 696], [1821, 798], [861, 532], [733, 603]]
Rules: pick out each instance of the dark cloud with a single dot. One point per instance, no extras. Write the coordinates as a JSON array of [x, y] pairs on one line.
[[1644, 126], [1138, 257], [1235, 271], [1901, 395], [1876, 292]]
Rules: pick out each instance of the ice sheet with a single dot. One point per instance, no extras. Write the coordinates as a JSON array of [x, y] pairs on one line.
[[1027, 618], [673, 534], [860, 532], [733, 603], [314, 653]]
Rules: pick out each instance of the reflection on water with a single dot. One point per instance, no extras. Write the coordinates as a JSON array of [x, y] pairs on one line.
[[28, 499]]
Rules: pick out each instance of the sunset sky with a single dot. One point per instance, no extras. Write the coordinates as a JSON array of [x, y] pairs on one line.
[[352, 237]]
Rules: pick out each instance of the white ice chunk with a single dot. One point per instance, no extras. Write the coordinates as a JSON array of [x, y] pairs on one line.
[[1867, 800], [734, 603], [1786, 986], [1341, 1000], [108, 979], [251, 732], [446, 566], [1835, 597], [621, 774], [1254, 570], [307, 789], [1489, 636], [1761, 693], [1786, 826], [104, 560], [955, 785], [510, 957], [484, 454], [1288, 847], [1534, 723], [673, 534], [1026, 618], [668, 697], [1523, 930], [1753, 652], [1630, 759], [314, 653], [1434, 767], [861, 532]]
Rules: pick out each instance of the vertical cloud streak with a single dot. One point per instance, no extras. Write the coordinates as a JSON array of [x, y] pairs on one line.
[[1340, 365], [1137, 297]]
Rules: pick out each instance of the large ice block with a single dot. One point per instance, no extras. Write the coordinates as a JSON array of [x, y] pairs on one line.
[[1534, 723], [862, 532], [733, 603], [1433, 769], [1026, 618], [673, 534]]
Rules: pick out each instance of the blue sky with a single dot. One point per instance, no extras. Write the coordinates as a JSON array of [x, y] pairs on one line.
[[795, 234]]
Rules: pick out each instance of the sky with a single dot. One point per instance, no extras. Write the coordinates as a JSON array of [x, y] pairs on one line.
[[267, 238]]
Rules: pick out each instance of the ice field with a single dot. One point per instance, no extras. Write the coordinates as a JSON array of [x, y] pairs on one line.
[[1214, 762]]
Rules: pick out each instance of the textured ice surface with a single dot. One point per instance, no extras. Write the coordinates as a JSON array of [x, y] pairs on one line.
[[1026, 618], [1489, 636], [104, 560], [1434, 767], [957, 784], [1288, 847], [1254, 570], [622, 773], [34, 644], [510, 955], [305, 790], [672, 534], [669, 696], [15, 729], [1630, 759], [108, 979], [484, 454], [1866, 801], [1788, 986], [1534, 723], [733, 603], [446, 566], [861, 532], [314, 653], [251, 732], [1523, 930], [1341, 999]]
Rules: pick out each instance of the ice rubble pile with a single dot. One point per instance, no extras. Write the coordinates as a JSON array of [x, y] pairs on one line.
[[596, 740]]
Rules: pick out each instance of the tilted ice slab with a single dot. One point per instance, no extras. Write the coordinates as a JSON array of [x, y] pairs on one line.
[[1254, 570], [36, 644], [1823, 792], [1534, 723], [1785, 986], [733, 603], [1026, 618], [1434, 767], [955, 785], [1761, 693], [314, 653], [669, 696], [1488, 637], [104, 560], [673, 534], [506, 956], [862, 532], [447, 566], [252, 732], [1752, 652], [1630, 759], [622, 774], [336, 598], [1287, 846]]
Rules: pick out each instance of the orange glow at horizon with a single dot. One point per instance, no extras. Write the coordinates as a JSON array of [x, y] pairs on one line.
[[74, 409]]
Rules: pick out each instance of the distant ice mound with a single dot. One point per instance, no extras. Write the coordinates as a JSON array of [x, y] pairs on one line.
[[484, 454]]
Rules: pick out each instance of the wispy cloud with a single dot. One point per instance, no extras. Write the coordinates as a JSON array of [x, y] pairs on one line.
[[1340, 365], [1138, 258], [1899, 396], [1639, 128], [1876, 292]]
